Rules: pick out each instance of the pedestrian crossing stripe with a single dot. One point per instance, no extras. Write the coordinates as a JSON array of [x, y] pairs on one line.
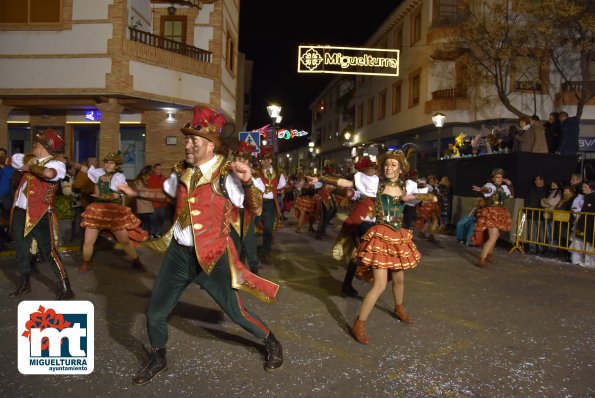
[[251, 138]]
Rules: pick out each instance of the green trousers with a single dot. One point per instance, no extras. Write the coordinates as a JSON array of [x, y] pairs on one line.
[[43, 232], [268, 217], [246, 245], [180, 268]]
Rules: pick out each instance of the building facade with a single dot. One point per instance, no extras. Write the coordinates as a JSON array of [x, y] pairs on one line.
[[116, 74], [383, 110]]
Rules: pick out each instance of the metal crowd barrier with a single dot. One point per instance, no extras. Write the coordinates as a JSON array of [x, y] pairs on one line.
[[556, 229]]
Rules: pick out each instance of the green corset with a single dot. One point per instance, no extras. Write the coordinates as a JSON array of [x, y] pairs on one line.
[[104, 189], [497, 199], [389, 211]]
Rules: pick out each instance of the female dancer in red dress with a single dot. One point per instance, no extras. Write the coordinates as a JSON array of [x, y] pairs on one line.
[[109, 213], [493, 218], [386, 249]]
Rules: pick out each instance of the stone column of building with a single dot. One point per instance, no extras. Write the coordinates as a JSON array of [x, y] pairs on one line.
[[4, 112], [109, 130]]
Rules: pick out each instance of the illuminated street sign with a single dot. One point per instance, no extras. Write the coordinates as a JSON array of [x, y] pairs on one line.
[[348, 60]]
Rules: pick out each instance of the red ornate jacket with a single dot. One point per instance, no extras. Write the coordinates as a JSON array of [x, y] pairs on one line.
[[271, 186], [211, 214], [40, 197]]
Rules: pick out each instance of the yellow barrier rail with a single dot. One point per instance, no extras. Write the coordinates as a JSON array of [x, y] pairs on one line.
[[557, 229]]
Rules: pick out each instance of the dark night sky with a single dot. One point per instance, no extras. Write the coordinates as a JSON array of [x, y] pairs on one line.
[[270, 33]]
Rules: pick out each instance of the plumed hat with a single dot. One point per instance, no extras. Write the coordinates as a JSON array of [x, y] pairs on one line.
[[267, 152], [116, 157], [50, 140], [395, 153], [244, 150], [497, 172], [207, 124]]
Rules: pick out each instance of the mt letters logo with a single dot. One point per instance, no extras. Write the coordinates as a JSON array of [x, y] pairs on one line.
[[56, 337]]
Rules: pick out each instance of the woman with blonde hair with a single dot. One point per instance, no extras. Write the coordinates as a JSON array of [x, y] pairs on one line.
[[386, 249]]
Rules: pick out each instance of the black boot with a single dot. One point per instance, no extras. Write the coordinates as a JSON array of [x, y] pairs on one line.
[[64, 290], [23, 287], [274, 353], [138, 265], [157, 364], [348, 289]]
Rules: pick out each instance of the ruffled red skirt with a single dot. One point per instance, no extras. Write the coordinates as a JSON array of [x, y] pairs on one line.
[[493, 217], [306, 203], [113, 217], [427, 209], [383, 247]]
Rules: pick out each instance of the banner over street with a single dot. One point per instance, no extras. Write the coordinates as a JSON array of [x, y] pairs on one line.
[[348, 60]]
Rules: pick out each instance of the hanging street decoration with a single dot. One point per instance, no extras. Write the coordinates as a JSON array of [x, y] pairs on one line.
[[282, 134]]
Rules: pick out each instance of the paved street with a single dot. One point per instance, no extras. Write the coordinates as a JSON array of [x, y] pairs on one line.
[[526, 328]]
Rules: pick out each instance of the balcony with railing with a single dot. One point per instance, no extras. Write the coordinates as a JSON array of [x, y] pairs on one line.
[[169, 45], [569, 91], [447, 99], [158, 50]]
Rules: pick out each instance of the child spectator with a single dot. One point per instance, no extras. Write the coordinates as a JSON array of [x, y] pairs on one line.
[[466, 225]]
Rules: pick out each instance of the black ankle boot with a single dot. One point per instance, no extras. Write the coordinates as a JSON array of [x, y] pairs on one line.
[[23, 287], [138, 265], [274, 353], [348, 289], [64, 290], [157, 364]]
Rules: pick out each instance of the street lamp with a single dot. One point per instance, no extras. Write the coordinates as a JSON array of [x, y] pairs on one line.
[[439, 119], [275, 115]]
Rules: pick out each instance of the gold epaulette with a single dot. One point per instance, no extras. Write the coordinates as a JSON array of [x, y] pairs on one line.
[[225, 170], [29, 158]]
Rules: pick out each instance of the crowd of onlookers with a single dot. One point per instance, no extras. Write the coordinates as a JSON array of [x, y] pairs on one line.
[[542, 199], [558, 134]]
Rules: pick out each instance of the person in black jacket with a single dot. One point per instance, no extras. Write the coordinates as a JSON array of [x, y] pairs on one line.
[[533, 197], [552, 132], [569, 136]]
